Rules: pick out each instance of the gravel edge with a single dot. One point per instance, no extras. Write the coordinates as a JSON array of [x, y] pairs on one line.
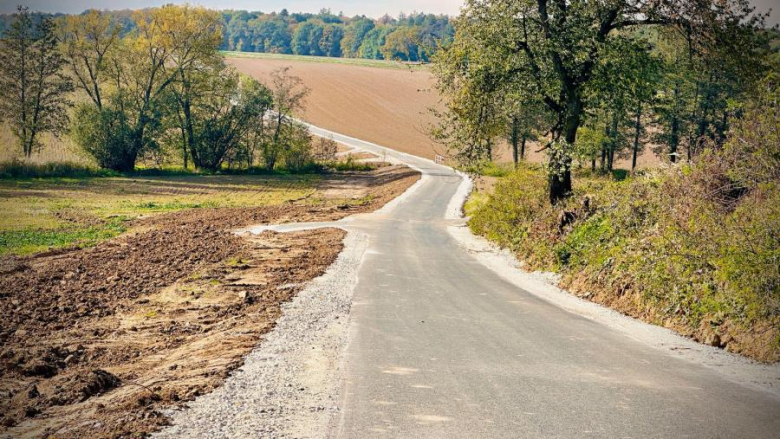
[[289, 385], [733, 367]]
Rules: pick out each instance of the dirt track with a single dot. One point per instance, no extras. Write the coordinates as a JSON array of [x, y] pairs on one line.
[[96, 341]]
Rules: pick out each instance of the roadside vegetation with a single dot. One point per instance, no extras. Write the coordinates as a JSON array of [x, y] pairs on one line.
[[693, 245]]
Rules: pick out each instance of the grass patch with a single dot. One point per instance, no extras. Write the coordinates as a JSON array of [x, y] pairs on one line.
[[378, 63], [29, 241], [349, 164], [490, 169], [37, 214], [663, 246]]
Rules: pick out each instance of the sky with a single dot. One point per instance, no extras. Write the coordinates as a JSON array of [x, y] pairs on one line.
[[371, 8]]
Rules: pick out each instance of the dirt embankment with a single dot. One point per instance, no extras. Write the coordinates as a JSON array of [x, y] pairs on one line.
[[95, 342]]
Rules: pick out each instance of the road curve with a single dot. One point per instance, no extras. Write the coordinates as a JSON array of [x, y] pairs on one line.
[[441, 346]]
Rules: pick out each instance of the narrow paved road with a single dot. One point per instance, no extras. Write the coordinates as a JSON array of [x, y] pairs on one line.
[[440, 347]]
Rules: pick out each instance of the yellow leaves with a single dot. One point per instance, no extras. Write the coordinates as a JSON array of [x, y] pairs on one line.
[[186, 30]]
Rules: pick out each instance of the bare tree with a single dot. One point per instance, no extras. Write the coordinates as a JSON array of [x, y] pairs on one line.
[[289, 96]]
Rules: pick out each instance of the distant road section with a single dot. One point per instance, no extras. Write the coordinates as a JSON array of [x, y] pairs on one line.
[[387, 106]]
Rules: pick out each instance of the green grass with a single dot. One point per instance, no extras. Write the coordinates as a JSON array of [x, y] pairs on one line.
[[31, 240], [41, 213], [378, 63], [490, 169]]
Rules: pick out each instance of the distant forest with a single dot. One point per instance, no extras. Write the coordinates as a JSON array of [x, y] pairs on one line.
[[414, 37]]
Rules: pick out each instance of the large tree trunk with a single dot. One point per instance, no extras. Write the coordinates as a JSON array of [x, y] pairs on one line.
[[560, 159]]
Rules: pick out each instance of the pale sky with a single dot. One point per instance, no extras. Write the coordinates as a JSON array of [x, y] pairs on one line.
[[349, 7]]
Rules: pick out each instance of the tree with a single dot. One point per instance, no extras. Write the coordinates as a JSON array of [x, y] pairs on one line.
[[194, 61], [353, 36], [87, 41], [226, 118], [624, 82], [551, 49], [33, 89], [524, 124], [646, 75], [166, 44], [402, 44], [288, 94], [372, 43], [330, 44], [306, 39]]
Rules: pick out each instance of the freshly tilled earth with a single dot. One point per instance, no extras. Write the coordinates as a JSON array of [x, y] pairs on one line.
[[95, 342]]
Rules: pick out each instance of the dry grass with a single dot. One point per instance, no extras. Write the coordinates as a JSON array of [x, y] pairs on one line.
[[54, 150]]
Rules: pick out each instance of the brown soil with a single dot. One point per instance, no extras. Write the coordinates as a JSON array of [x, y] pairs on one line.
[[385, 106], [96, 341]]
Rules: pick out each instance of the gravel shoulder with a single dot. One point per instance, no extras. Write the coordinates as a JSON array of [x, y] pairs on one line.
[[733, 367]]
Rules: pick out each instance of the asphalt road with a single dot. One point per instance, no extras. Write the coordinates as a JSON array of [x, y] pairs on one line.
[[441, 347]]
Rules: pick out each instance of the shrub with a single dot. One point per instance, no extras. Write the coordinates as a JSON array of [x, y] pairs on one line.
[[19, 169], [324, 149], [109, 137], [296, 154]]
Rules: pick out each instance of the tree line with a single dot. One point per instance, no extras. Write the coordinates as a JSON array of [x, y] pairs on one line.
[[414, 37], [148, 91], [595, 80]]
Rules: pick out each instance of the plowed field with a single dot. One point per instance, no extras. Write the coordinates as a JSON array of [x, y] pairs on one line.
[[387, 106]]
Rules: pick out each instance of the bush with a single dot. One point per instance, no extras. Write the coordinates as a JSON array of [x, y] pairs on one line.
[[108, 136], [18, 169], [324, 149], [296, 153], [350, 165]]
